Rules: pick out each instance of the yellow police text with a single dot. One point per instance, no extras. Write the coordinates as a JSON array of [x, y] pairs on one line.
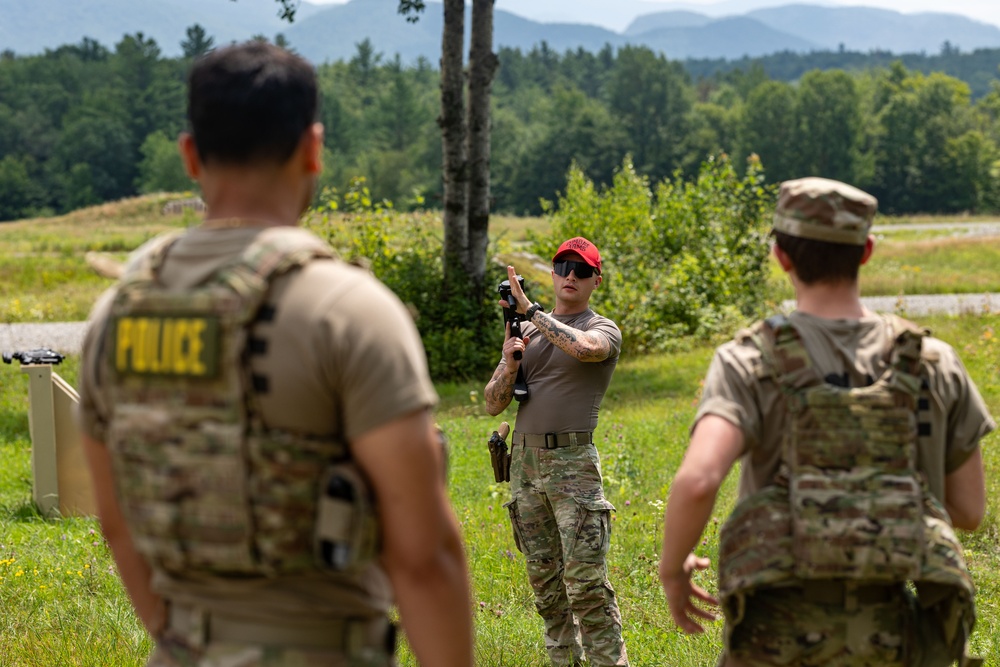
[[162, 345]]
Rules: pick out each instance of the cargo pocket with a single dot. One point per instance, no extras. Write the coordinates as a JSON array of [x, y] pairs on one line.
[[593, 530], [511, 506]]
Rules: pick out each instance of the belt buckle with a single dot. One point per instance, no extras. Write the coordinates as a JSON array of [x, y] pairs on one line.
[[550, 441]]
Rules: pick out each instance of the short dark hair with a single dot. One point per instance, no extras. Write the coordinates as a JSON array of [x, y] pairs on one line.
[[821, 261], [250, 102]]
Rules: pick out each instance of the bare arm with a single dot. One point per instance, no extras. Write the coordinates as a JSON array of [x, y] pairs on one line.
[[500, 389], [132, 567], [715, 446], [579, 344], [965, 493], [423, 553]]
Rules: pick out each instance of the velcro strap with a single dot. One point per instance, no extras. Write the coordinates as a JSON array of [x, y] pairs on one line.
[[346, 635], [553, 440], [846, 593]]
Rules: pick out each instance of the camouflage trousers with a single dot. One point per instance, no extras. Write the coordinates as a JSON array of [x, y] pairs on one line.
[[780, 627], [562, 525]]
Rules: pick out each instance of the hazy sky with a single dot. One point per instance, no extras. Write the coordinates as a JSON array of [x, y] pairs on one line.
[[982, 10]]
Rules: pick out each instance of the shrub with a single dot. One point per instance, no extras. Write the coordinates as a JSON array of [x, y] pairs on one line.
[[689, 259], [462, 335]]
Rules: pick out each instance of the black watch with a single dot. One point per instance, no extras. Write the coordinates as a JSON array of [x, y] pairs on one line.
[[532, 309]]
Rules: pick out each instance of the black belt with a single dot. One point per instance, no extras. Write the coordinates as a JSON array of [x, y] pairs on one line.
[[552, 440]]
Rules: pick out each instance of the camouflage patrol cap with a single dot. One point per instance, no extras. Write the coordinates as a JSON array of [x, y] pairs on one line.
[[824, 210]]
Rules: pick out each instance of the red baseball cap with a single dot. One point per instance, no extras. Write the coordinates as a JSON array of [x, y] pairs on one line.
[[583, 248]]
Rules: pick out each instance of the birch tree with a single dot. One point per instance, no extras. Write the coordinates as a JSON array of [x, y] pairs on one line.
[[465, 134]]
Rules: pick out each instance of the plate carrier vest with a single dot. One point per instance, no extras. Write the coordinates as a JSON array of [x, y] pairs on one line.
[[204, 485], [848, 502]]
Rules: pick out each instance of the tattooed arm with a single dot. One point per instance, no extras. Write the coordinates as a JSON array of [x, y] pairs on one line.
[[579, 344], [500, 389]]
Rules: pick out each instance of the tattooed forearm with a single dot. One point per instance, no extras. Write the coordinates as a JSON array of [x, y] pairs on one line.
[[499, 391], [583, 345]]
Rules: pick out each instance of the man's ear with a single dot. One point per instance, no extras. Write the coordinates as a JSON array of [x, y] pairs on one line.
[[783, 259], [312, 149], [189, 155], [869, 247], [600, 279]]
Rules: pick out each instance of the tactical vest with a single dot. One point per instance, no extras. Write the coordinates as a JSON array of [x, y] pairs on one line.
[[848, 502], [204, 484]]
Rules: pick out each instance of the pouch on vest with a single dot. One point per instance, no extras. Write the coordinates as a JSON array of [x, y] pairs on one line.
[[346, 535]]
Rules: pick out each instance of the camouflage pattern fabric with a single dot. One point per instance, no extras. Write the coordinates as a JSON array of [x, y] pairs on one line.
[[781, 628], [847, 505], [170, 654], [857, 502], [562, 525], [203, 485], [824, 210]]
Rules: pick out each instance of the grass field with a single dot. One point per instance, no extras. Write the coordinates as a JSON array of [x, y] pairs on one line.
[[44, 276], [62, 603]]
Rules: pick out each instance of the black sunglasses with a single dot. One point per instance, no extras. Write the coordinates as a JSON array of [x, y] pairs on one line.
[[563, 267]]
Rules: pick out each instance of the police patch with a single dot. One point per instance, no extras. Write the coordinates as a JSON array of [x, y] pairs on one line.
[[166, 345]]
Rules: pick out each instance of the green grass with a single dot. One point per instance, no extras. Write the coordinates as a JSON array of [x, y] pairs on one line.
[[43, 273], [922, 263], [63, 603], [935, 266], [44, 276], [59, 611]]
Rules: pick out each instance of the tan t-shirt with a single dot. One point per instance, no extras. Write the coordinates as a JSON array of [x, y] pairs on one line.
[[343, 357], [564, 393], [734, 390]]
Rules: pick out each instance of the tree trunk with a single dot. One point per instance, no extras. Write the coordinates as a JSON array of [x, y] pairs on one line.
[[483, 65], [453, 130]]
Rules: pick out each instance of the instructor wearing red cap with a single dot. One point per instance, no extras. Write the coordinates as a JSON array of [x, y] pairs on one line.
[[561, 519]]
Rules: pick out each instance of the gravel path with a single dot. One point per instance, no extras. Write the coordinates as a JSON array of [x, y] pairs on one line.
[[928, 304], [989, 228], [66, 337]]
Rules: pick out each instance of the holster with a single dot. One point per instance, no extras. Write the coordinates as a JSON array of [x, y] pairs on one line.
[[500, 454]]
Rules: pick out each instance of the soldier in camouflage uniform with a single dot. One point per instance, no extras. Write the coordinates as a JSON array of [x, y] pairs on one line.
[[859, 437], [560, 517], [257, 414]]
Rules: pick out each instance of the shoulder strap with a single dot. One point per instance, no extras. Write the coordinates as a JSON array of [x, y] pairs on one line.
[[783, 351], [275, 251], [905, 344], [145, 265]]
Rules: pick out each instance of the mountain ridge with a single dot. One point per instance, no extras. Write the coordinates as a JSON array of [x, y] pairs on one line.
[[332, 31]]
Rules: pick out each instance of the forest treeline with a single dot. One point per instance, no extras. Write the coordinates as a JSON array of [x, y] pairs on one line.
[[86, 123]]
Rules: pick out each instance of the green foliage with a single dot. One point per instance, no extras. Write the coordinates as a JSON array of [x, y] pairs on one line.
[[461, 334], [19, 194], [161, 168], [197, 41], [689, 260], [76, 123], [978, 68]]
